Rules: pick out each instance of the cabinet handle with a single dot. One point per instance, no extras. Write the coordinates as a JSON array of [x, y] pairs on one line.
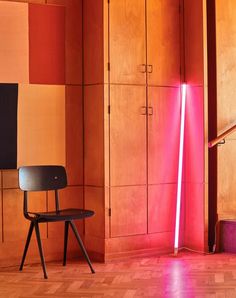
[[143, 111], [149, 68], [142, 68], [150, 111]]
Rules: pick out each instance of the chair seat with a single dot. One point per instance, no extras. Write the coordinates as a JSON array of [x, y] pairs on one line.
[[61, 215]]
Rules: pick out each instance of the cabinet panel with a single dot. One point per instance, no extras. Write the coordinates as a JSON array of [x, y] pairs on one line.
[[128, 211], [161, 207], [163, 134], [128, 135], [127, 41], [163, 42]]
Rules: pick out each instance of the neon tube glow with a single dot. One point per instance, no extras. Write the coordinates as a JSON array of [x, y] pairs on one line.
[[180, 168]]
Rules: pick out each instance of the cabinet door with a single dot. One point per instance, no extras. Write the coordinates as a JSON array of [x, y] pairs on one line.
[[127, 42], [128, 210], [128, 135], [163, 134], [163, 42]]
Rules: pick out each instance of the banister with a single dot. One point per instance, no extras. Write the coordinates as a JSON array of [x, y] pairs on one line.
[[222, 136]]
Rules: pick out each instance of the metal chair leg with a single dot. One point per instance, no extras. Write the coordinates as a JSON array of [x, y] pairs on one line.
[[27, 245], [40, 249], [81, 245], [65, 242]]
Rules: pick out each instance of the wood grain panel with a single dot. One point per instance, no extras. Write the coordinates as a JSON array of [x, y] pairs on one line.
[[127, 42], [15, 225], [226, 67], [161, 208], [128, 210], [194, 216], [193, 29], [94, 135], [41, 125], [73, 39], [163, 42], [46, 44], [70, 197], [93, 41], [194, 136], [163, 134], [74, 135], [94, 200], [10, 179], [14, 48], [128, 135], [226, 180], [226, 110]]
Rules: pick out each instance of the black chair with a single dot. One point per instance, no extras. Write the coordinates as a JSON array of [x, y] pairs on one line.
[[44, 178]]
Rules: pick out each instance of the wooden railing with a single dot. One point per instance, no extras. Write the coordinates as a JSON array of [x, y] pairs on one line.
[[222, 136]]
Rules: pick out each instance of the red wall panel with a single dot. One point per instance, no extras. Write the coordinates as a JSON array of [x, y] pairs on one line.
[[46, 44]]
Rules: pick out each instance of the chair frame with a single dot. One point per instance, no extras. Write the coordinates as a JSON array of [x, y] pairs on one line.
[[37, 218]]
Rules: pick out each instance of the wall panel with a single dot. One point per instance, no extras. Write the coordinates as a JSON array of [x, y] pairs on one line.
[[74, 135], [94, 135], [15, 226], [161, 208], [46, 44], [14, 47], [41, 125]]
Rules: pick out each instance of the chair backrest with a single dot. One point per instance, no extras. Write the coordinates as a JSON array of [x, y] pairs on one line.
[[40, 178]]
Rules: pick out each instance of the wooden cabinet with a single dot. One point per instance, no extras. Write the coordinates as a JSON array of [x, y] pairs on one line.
[[144, 38], [163, 134], [127, 42], [141, 104], [163, 42], [128, 135]]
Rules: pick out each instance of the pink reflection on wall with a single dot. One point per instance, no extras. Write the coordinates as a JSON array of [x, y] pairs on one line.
[[194, 169]]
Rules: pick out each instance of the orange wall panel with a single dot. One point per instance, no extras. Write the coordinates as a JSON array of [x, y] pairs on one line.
[[74, 41], [14, 223], [94, 135], [193, 28], [94, 200], [46, 44], [93, 41], [10, 179], [74, 135], [14, 48], [41, 125]]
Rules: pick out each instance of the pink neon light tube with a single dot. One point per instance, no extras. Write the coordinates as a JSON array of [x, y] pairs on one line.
[[180, 167]]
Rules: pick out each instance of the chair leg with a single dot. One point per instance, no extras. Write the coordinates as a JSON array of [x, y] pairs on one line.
[[27, 244], [40, 249], [65, 242], [81, 245]]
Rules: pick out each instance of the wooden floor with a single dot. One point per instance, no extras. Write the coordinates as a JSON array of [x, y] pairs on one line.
[[187, 275]]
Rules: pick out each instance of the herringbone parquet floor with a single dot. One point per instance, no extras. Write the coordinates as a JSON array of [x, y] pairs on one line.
[[185, 276]]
